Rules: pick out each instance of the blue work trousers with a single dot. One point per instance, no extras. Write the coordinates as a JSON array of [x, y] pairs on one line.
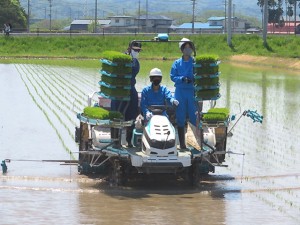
[[187, 107]]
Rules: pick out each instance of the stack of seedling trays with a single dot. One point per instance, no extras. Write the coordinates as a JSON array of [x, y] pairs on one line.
[[116, 75], [207, 86], [218, 118]]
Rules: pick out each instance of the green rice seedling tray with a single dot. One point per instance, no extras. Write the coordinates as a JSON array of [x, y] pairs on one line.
[[207, 59], [207, 87], [198, 76], [119, 98], [116, 58], [104, 123], [108, 74], [114, 92], [115, 87], [216, 114], [116, 81], [206, 70], [116, 63], [206, 64], [101, 113], [210, 81], [117, 70], [202, 95]]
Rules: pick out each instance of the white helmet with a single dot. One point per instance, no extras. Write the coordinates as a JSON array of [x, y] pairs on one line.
[[155, 72], [182, 41]]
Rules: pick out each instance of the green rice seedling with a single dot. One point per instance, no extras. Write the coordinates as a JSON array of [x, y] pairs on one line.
[[207, 81], [116, 81], [216, 114], [117, 64], [207, 70], [206, 59], [120, 70], [100, 113], [116, 57], [207, 94], [206, 64], [115, 92]]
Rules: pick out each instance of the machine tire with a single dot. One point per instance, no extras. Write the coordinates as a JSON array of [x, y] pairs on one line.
[[115, 178], [194, 174]]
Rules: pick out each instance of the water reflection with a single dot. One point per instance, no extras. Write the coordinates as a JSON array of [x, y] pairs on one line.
[[156, 201]]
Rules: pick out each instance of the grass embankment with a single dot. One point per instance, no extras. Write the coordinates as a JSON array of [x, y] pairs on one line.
[[15, 49]]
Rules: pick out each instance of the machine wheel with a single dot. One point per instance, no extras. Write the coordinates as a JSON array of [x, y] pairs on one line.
[[194, 173], [116, 175]]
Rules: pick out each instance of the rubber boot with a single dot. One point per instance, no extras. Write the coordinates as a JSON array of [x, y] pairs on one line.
[[129, 132], [181, 136]]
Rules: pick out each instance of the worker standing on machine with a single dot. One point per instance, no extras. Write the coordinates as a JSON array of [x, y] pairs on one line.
[[155, 94], [131, 110], [182, 74]]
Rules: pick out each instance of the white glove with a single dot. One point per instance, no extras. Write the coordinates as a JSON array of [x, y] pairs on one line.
[[176, 102], [148, 115]]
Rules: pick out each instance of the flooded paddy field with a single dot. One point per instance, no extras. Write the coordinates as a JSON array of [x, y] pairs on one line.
[[37, 120]]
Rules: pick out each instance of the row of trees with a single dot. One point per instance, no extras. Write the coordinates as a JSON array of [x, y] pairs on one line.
[[276, 11], [12, 12]]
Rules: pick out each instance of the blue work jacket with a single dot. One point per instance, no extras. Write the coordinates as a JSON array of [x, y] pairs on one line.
[[150, 97]]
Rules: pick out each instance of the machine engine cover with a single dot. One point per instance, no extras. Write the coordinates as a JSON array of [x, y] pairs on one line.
[[159, 134], [101, 136]]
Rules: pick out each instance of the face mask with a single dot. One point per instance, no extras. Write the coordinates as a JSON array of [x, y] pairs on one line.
[[156, 82], [187, 51], [134, 54]]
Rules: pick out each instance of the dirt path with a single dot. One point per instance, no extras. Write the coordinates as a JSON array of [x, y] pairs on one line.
[[283, 63]]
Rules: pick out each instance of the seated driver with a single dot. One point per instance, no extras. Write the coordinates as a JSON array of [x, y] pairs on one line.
[[155, 94]]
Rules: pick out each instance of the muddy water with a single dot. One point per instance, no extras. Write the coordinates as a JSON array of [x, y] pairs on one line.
[[37, 119]]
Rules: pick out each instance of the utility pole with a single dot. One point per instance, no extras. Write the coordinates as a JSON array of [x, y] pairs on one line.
[[193, 19], [50, 1], [146, 16], [95, 28], [85, 10], [139, 16], [229, 35], [265, 28], [295, 16], [225, 16], [28, 16], [233, 16]]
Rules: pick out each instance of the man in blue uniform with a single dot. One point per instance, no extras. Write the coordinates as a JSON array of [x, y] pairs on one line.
[[155, 94], [183, 76], [131, 112]]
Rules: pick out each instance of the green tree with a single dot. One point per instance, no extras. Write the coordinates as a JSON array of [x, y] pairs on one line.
[[275, 10], [12, 12]]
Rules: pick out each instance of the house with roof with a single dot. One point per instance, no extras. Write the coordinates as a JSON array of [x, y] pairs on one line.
[[238, 25], [154, 23], [213, 25], [288, 27], [199, 28], [121, 24], [83, 25], [147, 24]]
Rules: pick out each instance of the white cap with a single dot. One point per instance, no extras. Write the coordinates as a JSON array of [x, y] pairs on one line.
[[155, 72], [182, 41]]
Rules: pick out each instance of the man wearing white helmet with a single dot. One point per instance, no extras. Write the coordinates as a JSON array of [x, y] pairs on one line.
[[183, 77], [155, 94]]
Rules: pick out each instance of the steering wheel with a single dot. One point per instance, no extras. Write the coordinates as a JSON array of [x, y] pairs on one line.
[[157, 109]]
